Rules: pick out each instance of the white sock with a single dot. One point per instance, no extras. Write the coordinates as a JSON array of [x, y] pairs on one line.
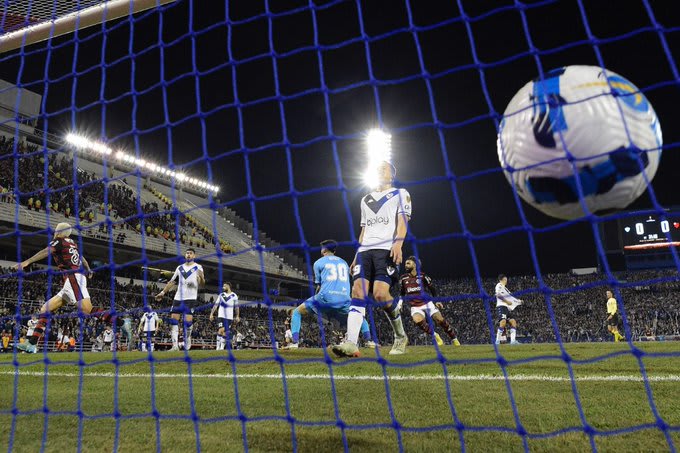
[[354, 320], [174, 334], [218, 343], [397, 324], [143, 346], [499, 334], [513, 334], [152, 347], [398, 327], [187, 339]]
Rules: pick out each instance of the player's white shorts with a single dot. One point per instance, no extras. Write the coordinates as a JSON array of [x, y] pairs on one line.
[[429, 309], [75, 289]]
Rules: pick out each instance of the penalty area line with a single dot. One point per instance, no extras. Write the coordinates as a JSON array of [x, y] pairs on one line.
[[396, 377]]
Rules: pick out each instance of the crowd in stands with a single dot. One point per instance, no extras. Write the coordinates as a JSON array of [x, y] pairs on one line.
[[123, 206], [577, 304]]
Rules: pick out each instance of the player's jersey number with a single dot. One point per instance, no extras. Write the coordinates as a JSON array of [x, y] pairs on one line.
[[336, 272]]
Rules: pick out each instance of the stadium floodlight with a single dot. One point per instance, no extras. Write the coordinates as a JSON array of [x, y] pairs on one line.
[[84, 144], [378, 149]]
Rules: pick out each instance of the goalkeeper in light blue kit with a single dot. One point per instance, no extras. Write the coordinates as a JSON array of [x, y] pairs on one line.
[[332, 298]]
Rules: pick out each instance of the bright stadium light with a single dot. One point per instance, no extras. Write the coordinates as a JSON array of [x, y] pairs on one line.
[[378, 149], [84, 144]]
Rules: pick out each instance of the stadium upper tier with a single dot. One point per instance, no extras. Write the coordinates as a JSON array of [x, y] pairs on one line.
[[144, 214]]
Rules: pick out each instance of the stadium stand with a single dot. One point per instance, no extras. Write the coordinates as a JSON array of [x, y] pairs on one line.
[[155, 230]]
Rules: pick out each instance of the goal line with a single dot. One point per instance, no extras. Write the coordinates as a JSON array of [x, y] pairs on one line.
[[397, 377]]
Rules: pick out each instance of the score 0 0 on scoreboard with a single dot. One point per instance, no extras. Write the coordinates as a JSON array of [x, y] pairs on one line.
[[650, 233]]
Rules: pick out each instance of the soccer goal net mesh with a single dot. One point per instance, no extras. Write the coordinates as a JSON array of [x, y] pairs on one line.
[[214, 125]]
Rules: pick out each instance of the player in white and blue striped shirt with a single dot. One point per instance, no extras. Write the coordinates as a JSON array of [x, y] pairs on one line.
[[227, 313]]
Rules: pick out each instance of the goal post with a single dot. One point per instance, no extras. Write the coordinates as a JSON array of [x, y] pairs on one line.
[[51, 22]]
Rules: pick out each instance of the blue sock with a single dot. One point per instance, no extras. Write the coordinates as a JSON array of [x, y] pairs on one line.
[[359, 302], [295, 322], [365, 331]]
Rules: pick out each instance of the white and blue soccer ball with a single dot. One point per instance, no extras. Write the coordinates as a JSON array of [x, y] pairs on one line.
[[579, 122]]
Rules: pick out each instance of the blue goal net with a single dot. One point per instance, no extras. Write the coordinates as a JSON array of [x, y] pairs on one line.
[[200, 152]]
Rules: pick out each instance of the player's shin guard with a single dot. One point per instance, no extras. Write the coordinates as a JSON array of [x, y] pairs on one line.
[[499, 334], [355, 319], [295, 322], [174, 332], [393, 315], [450, 331]]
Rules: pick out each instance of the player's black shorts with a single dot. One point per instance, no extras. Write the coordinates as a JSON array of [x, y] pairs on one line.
[[224, 322], [614, 321], [376, 265], [186, 307], [504, 313]]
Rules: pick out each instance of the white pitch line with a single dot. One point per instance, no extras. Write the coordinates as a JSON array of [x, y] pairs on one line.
[[398, 377]]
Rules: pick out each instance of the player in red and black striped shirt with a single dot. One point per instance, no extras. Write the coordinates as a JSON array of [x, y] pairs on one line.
[[417, 289], [67, 257]]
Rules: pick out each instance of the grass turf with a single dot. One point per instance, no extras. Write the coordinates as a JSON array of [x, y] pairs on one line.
[[116, 403]]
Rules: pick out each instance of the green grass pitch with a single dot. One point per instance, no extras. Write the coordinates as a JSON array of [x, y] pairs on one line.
[[611, 393]]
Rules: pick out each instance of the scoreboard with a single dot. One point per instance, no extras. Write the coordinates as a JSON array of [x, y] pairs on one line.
[[641, 241], [649, 233]]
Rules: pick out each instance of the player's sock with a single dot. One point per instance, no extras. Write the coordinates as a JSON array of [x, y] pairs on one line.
[[174, 332], [218, 343], [226, 342], [189, 326], [295, 322], [394, 317], [618, 335], [423, 324], [513, 334], [354, 321], [448, 328], [499, 334], [365, 331]]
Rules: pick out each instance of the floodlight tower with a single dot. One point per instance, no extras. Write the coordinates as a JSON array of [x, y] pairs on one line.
[[378, 149]]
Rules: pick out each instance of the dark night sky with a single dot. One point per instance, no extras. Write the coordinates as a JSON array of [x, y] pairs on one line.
[[209, 140]]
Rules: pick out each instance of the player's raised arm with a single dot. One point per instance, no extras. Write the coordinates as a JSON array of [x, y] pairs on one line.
[[168, 286], [41, 255]]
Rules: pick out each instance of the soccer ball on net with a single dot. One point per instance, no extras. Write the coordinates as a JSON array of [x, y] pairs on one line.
[[579, 123]]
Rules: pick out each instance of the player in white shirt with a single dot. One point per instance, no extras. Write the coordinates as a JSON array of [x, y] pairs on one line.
[[147, 328], [108, 339], [385, 214], [226, 306], [505, 307], [188, 277], [32, 323]]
